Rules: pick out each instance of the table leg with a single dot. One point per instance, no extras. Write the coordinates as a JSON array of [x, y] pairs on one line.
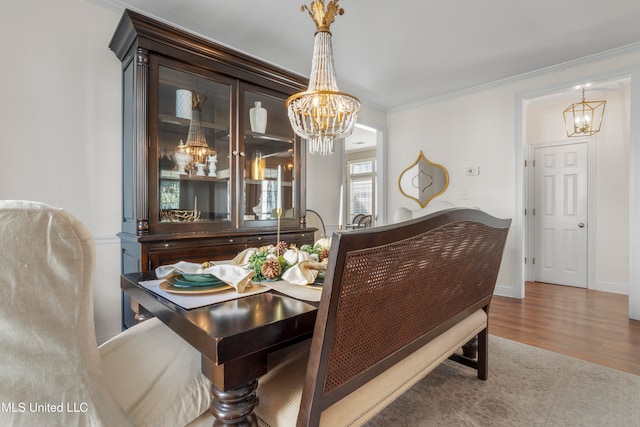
[[141, 313], [233, 386], [235, 407]]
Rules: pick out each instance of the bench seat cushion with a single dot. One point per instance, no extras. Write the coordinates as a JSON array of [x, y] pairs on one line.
[[280, 394]]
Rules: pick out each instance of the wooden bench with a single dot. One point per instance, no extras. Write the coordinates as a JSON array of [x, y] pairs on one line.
[[397, 301]]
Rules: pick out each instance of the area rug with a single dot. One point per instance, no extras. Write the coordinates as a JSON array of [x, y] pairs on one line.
[[527, 386]]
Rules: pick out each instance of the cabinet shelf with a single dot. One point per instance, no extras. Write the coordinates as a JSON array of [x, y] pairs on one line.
[[267, 137], [175, 176], [173, 120], [260, 181]]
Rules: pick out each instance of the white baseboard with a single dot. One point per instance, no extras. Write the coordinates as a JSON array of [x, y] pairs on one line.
[[615, 288], [504, 291]]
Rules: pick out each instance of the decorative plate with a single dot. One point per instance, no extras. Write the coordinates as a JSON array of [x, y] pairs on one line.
[[181, 282], [198, 277], [197, 290]]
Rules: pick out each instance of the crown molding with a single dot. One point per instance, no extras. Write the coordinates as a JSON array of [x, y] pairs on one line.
[[597, 57]]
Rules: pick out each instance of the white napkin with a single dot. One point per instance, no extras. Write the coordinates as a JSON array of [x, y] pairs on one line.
[[304, 273], [294, 256], [242, 259], [238, 277]]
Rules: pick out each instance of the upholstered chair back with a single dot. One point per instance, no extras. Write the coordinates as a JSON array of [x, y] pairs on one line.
[[49, 362]]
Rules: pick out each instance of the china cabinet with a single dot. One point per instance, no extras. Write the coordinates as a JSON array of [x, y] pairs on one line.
[[209, 156]]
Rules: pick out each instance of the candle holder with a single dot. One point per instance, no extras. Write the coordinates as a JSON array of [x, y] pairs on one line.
[[278, 215]]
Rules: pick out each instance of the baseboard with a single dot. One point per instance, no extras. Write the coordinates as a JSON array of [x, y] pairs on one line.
[[615, 288], [504, 291]]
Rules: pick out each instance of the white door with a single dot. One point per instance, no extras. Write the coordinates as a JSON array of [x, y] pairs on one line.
[[560, 214]]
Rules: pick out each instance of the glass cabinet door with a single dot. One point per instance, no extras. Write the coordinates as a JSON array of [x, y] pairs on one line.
[[269, 158], [193, 134]]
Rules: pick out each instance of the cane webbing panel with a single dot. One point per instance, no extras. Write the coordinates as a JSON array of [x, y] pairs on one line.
[[425, 280]]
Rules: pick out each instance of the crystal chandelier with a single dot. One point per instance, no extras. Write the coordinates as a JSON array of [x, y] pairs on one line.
[[322, 113], [196, 145], [584, 118]]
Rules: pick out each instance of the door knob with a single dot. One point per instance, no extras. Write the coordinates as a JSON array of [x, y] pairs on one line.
[[581, 225]]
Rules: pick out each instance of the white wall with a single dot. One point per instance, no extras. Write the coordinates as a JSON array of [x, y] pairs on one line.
[[324, 173], [480, 128], [474, 130], [61, 125]]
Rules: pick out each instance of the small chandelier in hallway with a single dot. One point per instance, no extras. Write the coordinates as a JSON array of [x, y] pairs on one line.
[[584, 118]]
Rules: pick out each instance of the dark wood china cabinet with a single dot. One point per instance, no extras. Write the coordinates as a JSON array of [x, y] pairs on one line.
[[202, 174]]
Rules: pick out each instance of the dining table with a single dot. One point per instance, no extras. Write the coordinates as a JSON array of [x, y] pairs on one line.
[[234, 338]]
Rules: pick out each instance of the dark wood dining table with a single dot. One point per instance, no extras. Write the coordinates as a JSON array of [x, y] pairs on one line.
[[234, 338]]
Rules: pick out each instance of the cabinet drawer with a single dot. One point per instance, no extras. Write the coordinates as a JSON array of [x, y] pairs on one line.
[[196, 253]]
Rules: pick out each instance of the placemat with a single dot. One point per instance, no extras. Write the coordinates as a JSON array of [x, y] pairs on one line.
[[195, 301]]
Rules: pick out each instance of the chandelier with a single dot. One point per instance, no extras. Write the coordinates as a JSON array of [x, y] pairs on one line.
[[322, 113], [584, 118], [196, 145]]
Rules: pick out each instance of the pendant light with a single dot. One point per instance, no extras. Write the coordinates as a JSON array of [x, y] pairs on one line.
[[584, 118], [322, 113]]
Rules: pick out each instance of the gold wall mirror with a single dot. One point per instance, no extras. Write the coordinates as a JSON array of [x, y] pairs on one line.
[[423, 180]]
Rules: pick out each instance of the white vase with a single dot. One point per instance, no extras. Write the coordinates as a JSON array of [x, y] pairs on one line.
[[200, 168], [181, 158], [258, 118]]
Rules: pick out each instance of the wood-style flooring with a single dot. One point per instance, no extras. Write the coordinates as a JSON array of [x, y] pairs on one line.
[[586, 324]]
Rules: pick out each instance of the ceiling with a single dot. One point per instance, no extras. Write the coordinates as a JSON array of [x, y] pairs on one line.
[[393, 54]]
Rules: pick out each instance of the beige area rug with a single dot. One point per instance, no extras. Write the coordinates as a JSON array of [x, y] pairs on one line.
[[527, 386]]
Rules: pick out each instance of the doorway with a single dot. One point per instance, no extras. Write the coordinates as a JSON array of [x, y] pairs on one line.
[[560, 214], [363, 176], [611, 250]]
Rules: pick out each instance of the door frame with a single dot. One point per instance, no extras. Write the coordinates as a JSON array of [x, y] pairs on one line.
[[518, 224], [591, 206]]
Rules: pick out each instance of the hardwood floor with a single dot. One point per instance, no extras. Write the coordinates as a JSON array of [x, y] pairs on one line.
[[586, 324]]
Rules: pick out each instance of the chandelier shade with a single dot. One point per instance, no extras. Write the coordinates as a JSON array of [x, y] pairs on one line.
[[584, 118], [322, 113]]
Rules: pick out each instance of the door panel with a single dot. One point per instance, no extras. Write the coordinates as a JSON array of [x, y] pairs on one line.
[[561, 214]]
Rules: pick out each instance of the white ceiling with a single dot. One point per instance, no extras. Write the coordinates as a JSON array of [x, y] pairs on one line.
[[392, 54]]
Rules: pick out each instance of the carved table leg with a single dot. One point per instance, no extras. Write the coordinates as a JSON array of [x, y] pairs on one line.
[[235, 407]]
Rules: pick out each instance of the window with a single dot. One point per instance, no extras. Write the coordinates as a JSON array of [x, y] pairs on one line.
[[362, 188]]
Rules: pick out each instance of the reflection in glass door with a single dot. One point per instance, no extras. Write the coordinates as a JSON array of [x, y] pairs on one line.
[[193, 148], [269, 153]]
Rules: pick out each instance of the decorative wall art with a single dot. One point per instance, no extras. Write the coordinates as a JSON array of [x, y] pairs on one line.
[[423, 180]]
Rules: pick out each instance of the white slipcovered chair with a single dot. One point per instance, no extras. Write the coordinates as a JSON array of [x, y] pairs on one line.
[[51, 370]]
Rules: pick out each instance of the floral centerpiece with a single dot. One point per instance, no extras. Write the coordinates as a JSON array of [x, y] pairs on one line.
[[318, 252], [270, 262]]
